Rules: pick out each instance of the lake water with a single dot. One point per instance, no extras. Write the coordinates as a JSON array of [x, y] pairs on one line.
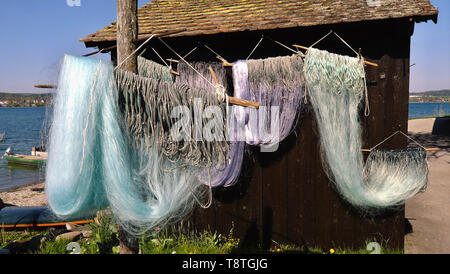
[[23, 131], [418, 110]]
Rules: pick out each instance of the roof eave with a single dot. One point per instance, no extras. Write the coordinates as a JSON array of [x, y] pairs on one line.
[[91, 41]]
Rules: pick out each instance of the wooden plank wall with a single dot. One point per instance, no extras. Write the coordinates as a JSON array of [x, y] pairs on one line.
[[285, 196]]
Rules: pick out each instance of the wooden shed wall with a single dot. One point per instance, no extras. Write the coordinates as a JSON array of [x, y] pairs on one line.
[[285, 196]]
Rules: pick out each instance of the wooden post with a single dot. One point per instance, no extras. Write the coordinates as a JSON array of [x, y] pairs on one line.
[[127, 33]]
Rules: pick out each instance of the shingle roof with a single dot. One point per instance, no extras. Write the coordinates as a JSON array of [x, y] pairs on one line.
[[199, 17]]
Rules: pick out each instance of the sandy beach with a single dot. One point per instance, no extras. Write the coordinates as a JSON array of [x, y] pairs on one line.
[[32, 195], [427, 214]]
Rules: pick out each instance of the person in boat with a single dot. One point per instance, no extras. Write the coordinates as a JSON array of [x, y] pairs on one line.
[[9, 152]]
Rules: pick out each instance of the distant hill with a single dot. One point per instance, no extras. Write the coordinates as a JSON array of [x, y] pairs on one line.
[[25, 99], [15, 96], [438, 93]]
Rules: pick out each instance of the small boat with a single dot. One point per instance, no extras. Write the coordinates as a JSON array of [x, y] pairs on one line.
[[34, 217], [37, 158], [26, 160], [2, 137]]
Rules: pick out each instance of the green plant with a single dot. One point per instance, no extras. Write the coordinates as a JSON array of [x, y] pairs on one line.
[[104, 235]]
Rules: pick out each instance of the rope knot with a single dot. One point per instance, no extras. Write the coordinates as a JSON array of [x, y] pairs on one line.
[[220, 92]]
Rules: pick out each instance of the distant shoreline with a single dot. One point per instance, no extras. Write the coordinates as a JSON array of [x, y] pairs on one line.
[[26, 107]]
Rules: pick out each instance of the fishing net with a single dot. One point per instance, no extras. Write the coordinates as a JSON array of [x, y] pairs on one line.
[[336, 85], [89, 142], [278, 85], [226, 173]]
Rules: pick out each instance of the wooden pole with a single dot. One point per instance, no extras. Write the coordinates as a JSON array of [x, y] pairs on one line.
[[127, 33], [45, 86]]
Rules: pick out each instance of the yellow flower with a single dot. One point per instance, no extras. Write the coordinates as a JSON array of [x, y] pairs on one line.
[[332, 251], [278, 250]]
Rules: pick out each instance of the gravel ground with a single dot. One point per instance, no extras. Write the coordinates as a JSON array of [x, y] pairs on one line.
[[33, 195]]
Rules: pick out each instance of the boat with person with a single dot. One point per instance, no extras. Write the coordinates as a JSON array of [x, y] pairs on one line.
[[36, 159]]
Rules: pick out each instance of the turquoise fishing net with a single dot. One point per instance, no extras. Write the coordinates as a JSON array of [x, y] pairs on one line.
[[92, 163]]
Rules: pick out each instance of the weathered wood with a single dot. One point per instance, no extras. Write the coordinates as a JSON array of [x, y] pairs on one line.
[[127, 31], [45, 86]]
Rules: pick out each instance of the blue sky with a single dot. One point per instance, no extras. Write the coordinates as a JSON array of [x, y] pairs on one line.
[[36, 34]]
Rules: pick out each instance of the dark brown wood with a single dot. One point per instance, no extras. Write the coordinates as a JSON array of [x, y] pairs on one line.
[[127, 30], [45, 86], [286, 197]]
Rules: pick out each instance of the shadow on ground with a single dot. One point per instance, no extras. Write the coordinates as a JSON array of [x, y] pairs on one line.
[[438, 138]]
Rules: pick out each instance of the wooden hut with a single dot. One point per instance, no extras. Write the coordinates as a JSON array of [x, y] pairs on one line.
[[285, 196]]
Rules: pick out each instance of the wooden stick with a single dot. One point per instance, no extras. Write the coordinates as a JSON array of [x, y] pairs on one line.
[[174, 72], [426, 149], [366, 62], [242, 102], [225, 62], [233, 100], [172, 60], [45, 86], [213, 75]]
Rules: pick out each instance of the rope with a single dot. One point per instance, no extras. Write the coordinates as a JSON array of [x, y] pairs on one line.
[[146, 41], [392, 135], [262, 37], [220, 90], [340, 38], [161, 58], [206, 46], [331, 31], [189, 53], [283, 45]]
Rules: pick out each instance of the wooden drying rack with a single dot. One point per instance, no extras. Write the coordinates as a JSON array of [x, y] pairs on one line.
[[233, 100], [365, 62], [224, 62]]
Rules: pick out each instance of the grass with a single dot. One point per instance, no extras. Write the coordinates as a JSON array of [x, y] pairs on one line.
[[178, 239]]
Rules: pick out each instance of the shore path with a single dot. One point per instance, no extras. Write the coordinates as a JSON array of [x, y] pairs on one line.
[[428, 213]]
